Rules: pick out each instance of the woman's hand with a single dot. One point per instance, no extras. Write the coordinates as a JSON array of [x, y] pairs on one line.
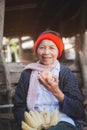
[[52, 86]]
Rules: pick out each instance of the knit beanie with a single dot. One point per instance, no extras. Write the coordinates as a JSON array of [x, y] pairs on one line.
[[50, 35]]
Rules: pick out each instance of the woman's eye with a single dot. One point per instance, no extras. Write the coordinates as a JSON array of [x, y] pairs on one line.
[[52, 48], [41, 47]]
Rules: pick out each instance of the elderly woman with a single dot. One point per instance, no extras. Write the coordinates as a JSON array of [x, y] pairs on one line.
[[34, 92]]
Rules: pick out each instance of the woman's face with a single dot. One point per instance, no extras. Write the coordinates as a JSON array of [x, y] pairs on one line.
[[47, 52]]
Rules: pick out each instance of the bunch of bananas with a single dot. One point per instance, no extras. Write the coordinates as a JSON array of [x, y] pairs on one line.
[[35, 120]]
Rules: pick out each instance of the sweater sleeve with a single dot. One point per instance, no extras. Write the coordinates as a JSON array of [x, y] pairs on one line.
[[72, 104], [19, 99]]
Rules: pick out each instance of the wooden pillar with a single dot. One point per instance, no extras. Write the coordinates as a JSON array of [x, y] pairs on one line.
[[83, 18], [83, 61], [20, 49], [2, 10], [83, 53], [2, 59]]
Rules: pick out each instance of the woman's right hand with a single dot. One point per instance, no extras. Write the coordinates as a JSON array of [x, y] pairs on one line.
[[52, 86]]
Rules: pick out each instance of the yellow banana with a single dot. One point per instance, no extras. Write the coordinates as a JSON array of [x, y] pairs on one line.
[[46, 116], [54, 118], [30, 121], [38, 115], [25, 126], [35, 117], [35, 120], [42, 117]]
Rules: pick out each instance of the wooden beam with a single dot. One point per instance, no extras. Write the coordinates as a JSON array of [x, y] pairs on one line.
[[6, 116], [21, 7], [2, 10]]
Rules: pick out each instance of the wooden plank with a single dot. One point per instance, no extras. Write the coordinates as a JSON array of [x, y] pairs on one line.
[[6, 116], [15, 70], [3, 90], [15, 77], [5, 124]]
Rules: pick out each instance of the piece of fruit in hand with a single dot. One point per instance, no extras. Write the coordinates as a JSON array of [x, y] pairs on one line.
[[47, 74]]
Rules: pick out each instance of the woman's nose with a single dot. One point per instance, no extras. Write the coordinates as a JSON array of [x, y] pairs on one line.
[[46, 51]]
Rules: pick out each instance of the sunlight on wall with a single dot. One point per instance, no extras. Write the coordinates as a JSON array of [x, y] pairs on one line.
[[69, 45], [28, 44]]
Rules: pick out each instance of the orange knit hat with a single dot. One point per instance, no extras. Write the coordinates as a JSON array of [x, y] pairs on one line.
[[50, 36]]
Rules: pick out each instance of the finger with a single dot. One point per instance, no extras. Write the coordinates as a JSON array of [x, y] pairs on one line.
[[49, 81], [55, 78], [42, 80]]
